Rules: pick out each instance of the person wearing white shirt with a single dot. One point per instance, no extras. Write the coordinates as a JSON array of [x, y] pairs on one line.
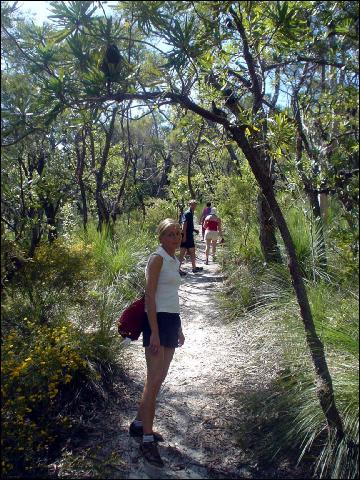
[[162, 332]]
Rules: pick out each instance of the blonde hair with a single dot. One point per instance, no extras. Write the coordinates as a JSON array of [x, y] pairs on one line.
[[164, 224]]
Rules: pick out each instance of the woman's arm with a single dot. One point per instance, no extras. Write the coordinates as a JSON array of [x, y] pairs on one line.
[[219, 227], [153, 272]]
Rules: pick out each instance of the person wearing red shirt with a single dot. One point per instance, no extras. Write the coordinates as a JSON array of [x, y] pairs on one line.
[[212, 225]]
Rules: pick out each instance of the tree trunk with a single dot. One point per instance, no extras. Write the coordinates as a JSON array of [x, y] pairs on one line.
[[80, 157], [50, 212], [84, 203], [311, 194], [191, 188], [325, 390], [324, 205], [234, 159], [127, 152], [164, 181], [102, 209], [267, 225]]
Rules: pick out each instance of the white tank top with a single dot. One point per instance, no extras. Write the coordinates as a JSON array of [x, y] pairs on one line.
[[167, 296]]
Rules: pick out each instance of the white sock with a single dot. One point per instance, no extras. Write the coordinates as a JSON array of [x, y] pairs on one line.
[[148, 438], [138, 423]]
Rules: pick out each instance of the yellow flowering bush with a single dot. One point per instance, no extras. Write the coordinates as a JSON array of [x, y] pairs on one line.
[[36, 371]]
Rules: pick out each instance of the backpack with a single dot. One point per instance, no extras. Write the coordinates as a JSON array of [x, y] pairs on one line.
[[131, 321]]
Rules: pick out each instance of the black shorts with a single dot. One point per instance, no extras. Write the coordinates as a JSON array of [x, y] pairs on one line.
[[189, 243], [169, 325]]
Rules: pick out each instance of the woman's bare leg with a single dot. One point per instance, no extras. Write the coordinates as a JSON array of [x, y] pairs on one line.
[[213, 244], [207, 249], [157, 368]]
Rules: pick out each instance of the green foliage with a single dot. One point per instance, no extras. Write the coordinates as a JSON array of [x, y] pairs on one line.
[[38, 364], [307, 235], [60, 342], [157, 211], [291, 416], [236, 199], [55, 100]]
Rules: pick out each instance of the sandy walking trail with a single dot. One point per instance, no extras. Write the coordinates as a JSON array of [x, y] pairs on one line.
[[198, 410]]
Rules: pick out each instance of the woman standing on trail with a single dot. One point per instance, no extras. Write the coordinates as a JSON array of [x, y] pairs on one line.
[[162, 332], [212, 225]]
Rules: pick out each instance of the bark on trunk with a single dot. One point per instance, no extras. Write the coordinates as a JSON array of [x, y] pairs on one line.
[[80, 156], [164, 181], [267, 225], [324, 205], [127, 153], [50, 212], [36, 233], [102, 208]]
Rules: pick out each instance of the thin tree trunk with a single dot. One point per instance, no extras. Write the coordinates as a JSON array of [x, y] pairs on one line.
[[313, 200], [164, 181], [325, 390], [192, 152], [50, 212], [268, 241], [102, 208], [36, 231], [127, 152], [80, 156]]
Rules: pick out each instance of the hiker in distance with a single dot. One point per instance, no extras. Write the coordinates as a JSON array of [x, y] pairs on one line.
[[162, 333], [205, 213], [188, 243], [212, 225]]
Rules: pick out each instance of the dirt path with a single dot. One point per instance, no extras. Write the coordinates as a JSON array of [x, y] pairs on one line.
[[198, 410]]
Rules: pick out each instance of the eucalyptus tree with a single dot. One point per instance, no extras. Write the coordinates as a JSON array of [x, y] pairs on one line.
[[218, 60]]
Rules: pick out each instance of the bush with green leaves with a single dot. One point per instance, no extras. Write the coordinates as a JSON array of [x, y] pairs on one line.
[[157, 211], [235, 198], [60, 338]]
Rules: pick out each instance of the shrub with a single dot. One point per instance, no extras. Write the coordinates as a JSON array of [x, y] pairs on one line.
[[158, 210], [60, 343], [37, 365]]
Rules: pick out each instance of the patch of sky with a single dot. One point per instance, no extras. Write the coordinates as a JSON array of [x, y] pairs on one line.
[[39, 12]]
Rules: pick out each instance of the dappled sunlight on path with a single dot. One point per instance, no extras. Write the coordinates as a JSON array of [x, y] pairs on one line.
[[200, 409]]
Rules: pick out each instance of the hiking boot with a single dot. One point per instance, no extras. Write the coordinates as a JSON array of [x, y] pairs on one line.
[[182, 273], [197, 269], [138, 432], [207, 262], [151, 454]]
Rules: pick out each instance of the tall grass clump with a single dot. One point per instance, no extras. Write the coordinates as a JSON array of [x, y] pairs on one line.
[[290, 412], [309, 236]]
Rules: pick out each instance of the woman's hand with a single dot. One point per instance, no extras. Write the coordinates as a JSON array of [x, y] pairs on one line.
[[154, 343], [181, 338]]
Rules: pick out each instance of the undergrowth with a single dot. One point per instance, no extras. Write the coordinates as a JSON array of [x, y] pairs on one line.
[[60, 346], [261, 296]]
